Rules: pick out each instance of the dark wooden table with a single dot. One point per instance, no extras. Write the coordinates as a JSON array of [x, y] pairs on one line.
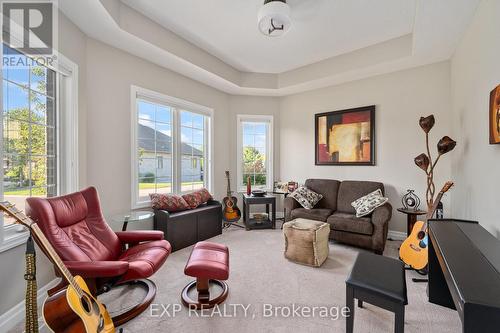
[[411, 218], [269, 201]]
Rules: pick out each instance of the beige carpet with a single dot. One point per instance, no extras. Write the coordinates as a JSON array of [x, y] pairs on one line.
[[261, 275]]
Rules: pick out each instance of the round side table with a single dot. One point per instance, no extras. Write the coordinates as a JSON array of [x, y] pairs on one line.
[[411, 218], [135, 216]]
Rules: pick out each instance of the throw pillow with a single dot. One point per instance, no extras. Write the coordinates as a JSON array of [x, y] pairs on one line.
[[368, 203], [305, 197], [168, 202], [196, 198]]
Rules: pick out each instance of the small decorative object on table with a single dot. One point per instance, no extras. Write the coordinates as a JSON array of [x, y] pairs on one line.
[[292, 186], [249, 186], [260, 217], [258, 193], [280, 187], [410, 200]]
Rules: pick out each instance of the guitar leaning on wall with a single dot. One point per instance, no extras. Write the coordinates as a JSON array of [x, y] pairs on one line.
[[73, 309], [231, 212], [414, 250]]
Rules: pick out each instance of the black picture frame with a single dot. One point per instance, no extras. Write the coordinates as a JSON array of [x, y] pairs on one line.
[[371, 109]]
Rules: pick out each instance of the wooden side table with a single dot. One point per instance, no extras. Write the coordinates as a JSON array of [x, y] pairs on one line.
[[411, 218], [269, 201]]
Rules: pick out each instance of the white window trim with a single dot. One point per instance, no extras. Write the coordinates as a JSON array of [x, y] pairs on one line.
[[269, 148], [156, 97], [16, 235]]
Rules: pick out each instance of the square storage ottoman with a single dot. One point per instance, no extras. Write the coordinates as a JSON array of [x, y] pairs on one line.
[[306, 241]]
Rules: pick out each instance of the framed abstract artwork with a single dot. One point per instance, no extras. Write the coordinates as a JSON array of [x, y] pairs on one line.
[[346, 137], [494, 115]]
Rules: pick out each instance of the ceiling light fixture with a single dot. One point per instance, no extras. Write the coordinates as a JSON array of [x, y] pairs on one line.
[[274, 18]]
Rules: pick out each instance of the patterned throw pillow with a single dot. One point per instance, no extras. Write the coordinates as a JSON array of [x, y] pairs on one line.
[[367, 204], [305, 197], [168, 202], [197, 198]]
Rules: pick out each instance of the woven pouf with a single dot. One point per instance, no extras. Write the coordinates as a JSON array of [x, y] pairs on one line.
[[306, 241]]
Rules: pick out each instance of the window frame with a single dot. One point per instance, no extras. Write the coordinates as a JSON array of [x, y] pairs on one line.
[[177, 105], [67, 142], [269, 119]]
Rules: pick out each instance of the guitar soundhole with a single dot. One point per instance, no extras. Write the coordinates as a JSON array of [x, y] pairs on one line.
[[87, 306], [421, 234]]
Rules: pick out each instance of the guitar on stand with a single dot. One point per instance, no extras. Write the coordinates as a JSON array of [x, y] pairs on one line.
[[231, 213], [73, 309], [414, 250]]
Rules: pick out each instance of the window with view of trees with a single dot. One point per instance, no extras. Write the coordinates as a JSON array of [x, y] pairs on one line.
[[255, 151], [30, 157], [172, 145]]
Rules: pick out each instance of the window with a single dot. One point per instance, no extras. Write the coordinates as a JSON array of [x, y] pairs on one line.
[[255, 154], [171, 143], [35, 101]]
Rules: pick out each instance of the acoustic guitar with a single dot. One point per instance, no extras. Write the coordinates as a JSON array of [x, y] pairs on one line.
[[414, 250], [73, 309], [231, 212]]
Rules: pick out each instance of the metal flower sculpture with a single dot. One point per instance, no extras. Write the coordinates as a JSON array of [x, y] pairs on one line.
[[424, 161]]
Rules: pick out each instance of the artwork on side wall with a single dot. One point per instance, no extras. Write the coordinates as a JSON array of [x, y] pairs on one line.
[[346, 137], [494, 114]]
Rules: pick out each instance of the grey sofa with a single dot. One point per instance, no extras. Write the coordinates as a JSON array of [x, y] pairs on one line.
[[369, 232]]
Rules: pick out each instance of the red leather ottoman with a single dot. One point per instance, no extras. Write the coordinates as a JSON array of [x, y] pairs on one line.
[[208, 263]]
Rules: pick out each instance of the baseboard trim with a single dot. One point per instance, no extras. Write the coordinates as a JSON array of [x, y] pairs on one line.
[[396, 235], [15, 315]]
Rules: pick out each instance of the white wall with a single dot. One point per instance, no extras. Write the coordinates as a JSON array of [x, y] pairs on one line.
[[475, 71], [400, 99], [111, 72]]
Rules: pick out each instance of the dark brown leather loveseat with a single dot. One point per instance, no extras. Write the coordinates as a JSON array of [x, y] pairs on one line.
[[369, 232]]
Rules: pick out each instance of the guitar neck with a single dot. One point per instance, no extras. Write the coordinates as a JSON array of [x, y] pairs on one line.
[[431, 211]]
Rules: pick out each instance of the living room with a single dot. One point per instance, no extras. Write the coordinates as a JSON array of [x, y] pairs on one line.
[[147, 103]]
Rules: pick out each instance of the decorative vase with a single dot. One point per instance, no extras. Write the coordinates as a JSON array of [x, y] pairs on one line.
[[410, 200], [249, 186]]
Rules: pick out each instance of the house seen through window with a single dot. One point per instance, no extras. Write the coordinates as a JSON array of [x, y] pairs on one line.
[[172, 146]]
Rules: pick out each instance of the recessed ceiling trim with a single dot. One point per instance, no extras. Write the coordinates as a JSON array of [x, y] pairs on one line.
[[118, 25]]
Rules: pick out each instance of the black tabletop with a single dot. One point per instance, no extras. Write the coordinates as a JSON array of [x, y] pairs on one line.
[[412, 211]]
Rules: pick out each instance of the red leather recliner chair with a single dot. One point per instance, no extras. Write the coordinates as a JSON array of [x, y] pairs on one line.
[[75, 227]]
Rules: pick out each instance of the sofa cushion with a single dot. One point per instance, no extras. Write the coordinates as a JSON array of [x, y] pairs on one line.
[[168, 202], [367, 204], [328, 188], [317, 214], [351, 190], [198, 197], [305, 197], [350, 223]]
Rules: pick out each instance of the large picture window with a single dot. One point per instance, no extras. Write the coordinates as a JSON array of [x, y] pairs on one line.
[[255, 142], [38, 133], [171, 145], [29, 131]]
